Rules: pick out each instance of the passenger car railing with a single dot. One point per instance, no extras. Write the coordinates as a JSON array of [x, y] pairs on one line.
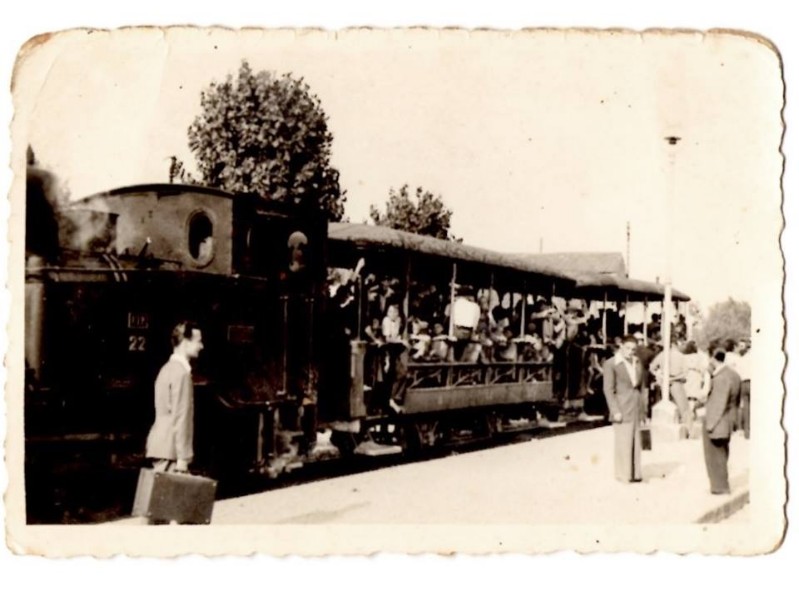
[[457, 374]]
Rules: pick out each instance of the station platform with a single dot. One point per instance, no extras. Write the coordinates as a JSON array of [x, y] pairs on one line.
[[564, 479]]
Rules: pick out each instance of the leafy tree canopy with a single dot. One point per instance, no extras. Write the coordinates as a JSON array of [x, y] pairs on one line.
[[264, 134], [726, 320], [422, 213]]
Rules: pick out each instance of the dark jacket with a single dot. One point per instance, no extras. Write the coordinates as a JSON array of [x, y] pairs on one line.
[[725, 391], [623, 396]]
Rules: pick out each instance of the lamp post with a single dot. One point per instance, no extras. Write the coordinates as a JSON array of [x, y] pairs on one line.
[[664, 413], [665, 327]]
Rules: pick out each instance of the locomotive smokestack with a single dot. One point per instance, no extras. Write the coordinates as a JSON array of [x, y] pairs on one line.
[[41, 210]]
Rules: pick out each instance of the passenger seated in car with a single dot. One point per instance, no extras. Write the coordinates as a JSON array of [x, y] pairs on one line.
[[472, 351], [420, 342], [392, 325], [440, 348], [507, 349], [529, 348]]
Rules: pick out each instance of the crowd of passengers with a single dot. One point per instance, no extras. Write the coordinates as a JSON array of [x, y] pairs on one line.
[[477, 327]]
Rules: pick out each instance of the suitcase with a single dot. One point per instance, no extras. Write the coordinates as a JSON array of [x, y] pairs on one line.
[[166, 496], [646, 438]]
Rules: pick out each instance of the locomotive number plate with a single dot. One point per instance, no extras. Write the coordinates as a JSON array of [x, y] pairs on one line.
[[137, 342], [138, 320]]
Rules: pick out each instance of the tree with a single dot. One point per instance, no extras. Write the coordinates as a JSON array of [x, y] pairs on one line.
[[267, 135], [422, 213], [726, 320]]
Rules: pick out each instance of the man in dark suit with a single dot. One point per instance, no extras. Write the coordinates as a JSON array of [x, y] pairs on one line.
[[622, 383], [719, 421]]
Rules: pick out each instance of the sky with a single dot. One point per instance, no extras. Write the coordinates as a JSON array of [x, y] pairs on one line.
[[549, 139]]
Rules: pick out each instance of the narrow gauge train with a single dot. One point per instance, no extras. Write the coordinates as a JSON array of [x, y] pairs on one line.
[[108, 276], [446, 396]]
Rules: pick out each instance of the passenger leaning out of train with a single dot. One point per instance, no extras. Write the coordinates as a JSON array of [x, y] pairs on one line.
[[171, 438]]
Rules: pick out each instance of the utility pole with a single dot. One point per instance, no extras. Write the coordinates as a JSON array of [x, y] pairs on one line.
[[628, 249]]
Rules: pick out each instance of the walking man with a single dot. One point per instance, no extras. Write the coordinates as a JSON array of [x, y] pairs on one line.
[[719, 421], [622, 380], [170, 442]]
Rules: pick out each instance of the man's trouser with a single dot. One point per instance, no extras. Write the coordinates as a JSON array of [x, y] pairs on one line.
[[681, 400]]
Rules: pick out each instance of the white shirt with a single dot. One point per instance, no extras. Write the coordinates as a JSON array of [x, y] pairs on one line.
[[465, 313], [630, 367], [742, 367], [182, 360], [391, 328], [732, 359]]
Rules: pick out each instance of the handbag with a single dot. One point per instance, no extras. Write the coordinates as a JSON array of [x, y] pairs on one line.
[[646, 438]]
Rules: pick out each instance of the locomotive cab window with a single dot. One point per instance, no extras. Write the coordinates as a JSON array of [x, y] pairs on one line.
[[201, 238], [297, 245]]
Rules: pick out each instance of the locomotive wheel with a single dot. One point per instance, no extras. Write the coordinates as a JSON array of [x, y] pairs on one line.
[[344, 441], [494, 424], [411, 440]]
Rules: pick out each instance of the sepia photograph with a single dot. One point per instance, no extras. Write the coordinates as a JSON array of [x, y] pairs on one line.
[[396, 290]]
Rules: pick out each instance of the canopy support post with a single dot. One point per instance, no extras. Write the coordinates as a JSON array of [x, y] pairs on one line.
[[626, 311], [406, 301], [665, 332], [452, 287], [524, 309]]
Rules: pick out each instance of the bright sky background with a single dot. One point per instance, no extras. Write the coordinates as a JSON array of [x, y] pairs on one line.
[[549, 137]]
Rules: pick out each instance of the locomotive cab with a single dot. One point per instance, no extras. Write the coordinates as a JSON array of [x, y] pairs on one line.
[[132, 263]]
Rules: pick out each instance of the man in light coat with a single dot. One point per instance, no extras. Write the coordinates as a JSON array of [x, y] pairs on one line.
[[170, 441], [719, 421], [622, 385]]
